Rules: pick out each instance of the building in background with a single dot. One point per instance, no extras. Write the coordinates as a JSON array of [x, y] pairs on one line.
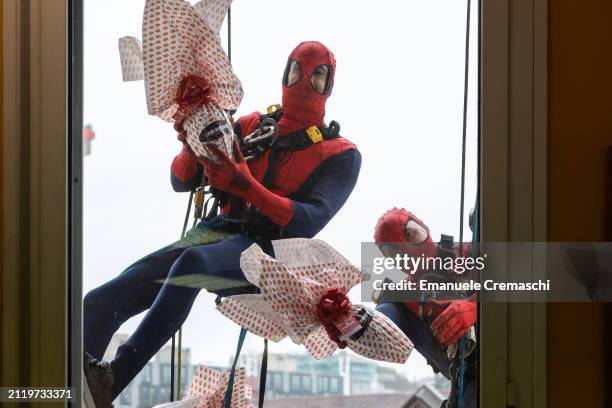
[[343, 374], [426, 396], [344, 401], [342, 380]]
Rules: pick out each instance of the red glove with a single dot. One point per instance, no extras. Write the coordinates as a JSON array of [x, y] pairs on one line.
[[235, 178], [185, 164], [456, 319]]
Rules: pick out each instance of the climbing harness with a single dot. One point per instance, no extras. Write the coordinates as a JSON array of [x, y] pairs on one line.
[[265, 136], [252, 222], [256, 143]]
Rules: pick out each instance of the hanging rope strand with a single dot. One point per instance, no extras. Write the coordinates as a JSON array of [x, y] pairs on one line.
[[464, 130], [462, 341]]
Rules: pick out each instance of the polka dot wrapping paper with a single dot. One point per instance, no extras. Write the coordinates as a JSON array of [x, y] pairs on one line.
[[181, 41], [208, 387], [292, 286], [211, 386], [212, 12], [130, 52]]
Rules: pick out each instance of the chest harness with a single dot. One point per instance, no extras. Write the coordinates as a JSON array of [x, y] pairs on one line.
[[265, 138]]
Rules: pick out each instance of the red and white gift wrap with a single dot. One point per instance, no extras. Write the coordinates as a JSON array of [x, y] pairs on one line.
[[130, 52], [212, 12], [188, 77], [304, 296], [211, 386], [208, 388]]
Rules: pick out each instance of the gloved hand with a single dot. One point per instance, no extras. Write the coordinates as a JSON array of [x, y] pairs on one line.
[[233, 177], [236, 179], [456, 319]]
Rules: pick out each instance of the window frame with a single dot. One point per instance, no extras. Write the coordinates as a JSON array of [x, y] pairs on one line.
[[40, 189], [513, 192]]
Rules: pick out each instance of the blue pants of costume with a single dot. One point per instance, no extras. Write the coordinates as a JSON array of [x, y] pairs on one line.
[[424, 341], [135, 290]]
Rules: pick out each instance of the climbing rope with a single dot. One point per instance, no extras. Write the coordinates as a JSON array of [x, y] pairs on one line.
[[462, 341], [230, 384], [464, 129]]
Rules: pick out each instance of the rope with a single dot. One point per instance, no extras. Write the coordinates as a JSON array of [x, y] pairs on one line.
[[173, 346], [230, 383], [461, 371], [180, 364], [462, 202], [263, 374], [464, 132]]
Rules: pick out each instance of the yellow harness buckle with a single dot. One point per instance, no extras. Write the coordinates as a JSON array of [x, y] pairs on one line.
[[314, 134], [273, 108]]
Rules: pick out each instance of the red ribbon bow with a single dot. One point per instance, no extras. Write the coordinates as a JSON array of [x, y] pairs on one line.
[[333, 306], [192, 92]]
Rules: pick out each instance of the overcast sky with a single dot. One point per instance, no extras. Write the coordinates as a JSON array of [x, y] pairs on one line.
[[398, 96]]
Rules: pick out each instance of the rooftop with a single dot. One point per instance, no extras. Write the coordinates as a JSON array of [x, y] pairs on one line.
[[339, 401]]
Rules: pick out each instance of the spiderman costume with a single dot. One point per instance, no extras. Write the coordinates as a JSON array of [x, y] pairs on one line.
[[436, 324], [305, 189]]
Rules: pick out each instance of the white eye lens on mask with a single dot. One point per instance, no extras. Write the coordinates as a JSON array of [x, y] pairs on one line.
[[293, 73], [320, 79], [415, 233]]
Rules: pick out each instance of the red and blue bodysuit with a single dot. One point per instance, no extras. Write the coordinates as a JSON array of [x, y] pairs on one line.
[[307, 189], [450, 319]]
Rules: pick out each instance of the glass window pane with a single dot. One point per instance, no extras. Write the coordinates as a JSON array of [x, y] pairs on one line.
[[401, 109]]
